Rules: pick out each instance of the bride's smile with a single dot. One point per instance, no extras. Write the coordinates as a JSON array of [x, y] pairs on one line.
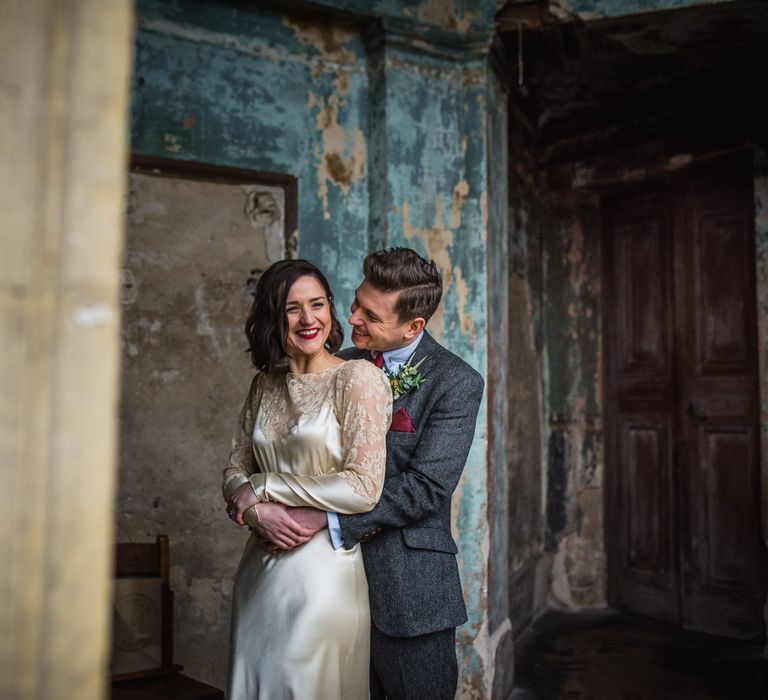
[[308, 313]]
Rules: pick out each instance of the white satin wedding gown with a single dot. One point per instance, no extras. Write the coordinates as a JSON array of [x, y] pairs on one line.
[[300, 619]]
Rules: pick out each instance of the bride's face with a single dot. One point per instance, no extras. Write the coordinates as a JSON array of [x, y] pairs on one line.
[[309, 317]]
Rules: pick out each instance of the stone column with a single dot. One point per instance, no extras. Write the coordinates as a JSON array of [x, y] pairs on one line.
[[429, 162], [63, 138]]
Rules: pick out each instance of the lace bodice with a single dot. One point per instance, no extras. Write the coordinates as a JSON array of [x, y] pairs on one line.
[[314, 439]]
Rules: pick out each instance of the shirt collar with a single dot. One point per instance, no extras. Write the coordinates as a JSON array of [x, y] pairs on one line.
[[399, 356]]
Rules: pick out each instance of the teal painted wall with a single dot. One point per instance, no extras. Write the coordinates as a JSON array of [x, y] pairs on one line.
[[251, 89], [436, 194], [389, 143]]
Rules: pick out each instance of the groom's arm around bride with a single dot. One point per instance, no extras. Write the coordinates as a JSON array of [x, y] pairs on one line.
[[409, 554]]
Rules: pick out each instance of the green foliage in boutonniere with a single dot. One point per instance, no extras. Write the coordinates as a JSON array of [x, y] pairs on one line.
[[406, 379]]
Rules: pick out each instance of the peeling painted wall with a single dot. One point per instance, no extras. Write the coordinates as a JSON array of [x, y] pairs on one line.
[[499, 622], [573, 398], [528, 565], [436, 195], [387, 137], [251, 89]]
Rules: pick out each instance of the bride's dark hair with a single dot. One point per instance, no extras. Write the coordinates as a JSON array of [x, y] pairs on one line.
[[266, 327]]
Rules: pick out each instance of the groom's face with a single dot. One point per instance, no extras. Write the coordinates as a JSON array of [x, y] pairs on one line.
[[375, 323]]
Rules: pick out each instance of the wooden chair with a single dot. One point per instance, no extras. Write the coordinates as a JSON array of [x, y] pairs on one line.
[[143, 631]]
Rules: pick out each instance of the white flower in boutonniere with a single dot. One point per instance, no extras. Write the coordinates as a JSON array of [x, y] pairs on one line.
[[406, 379]]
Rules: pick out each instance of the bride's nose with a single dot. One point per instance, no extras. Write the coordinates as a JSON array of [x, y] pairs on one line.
[[305, 317]]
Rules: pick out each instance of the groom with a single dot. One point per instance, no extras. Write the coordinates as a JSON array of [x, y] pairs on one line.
[[409, 553]]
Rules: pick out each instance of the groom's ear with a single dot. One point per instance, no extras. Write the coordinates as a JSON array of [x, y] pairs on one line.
[[413, 328]]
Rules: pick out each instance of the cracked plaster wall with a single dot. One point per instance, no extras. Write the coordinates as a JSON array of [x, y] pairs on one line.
[[573, 399], [189, 270], [389, 145], [528, 563]]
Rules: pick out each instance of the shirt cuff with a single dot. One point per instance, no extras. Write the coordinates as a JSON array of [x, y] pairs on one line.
[[334, 528]]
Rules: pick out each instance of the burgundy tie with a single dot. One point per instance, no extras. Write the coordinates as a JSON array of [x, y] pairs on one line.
[[379, 360]]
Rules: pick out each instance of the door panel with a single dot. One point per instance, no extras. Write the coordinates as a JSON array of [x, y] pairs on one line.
[[681, 397], [721, 547], [649, 566], [640, 368]]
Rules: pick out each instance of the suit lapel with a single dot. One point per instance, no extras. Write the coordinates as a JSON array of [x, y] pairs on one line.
[[424, 350]]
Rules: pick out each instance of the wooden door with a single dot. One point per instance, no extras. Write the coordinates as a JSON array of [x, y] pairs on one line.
[[681, 399]]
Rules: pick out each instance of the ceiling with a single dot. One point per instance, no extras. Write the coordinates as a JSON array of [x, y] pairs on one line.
[[591, 86]]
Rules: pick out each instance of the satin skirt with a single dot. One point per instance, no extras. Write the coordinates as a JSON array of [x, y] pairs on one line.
[[300, 624]]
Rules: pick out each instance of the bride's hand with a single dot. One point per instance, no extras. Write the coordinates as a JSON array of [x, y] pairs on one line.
[[279, 528], [241, 500]]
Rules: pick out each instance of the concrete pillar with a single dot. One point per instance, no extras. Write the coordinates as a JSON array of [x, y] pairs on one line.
[[63, 137], [429, 161]]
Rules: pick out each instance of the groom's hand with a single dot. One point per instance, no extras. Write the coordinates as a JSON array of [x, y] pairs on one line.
[[278, 528], [310, 519]]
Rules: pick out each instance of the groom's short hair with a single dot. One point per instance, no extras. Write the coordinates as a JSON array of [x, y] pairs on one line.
[[403, 270]]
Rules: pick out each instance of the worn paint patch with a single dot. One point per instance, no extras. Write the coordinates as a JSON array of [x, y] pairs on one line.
[[436, 241], [460, 193], [340, 154], [328, 38], [466, 319], [172, 143], [484, 215], [443, 14], [577, 563]]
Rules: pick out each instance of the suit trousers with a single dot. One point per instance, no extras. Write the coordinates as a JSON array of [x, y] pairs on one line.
[[414, 668]]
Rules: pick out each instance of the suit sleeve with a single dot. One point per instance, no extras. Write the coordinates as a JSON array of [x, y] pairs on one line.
[[364, 407], [430, 478]]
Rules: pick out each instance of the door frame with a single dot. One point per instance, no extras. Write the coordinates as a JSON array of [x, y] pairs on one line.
[[614, 184]]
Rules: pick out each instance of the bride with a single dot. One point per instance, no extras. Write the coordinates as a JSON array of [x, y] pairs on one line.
[[312, 432]]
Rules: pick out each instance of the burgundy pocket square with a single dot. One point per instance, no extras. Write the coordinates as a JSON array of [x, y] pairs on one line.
[[401, 422]]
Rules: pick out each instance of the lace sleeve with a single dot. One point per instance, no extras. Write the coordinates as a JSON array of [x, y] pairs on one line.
[[364, 410], [241, 463], [364, 407]]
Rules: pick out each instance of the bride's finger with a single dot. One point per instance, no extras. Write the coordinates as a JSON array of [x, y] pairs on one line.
[[297, 529], [285, 543]]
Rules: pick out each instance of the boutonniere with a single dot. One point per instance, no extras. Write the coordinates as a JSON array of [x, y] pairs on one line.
[[406, 379]]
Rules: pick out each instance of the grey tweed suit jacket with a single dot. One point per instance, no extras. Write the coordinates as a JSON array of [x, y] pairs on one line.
[[408, 550]]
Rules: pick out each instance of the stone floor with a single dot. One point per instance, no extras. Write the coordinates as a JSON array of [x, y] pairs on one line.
[[606, 655]]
